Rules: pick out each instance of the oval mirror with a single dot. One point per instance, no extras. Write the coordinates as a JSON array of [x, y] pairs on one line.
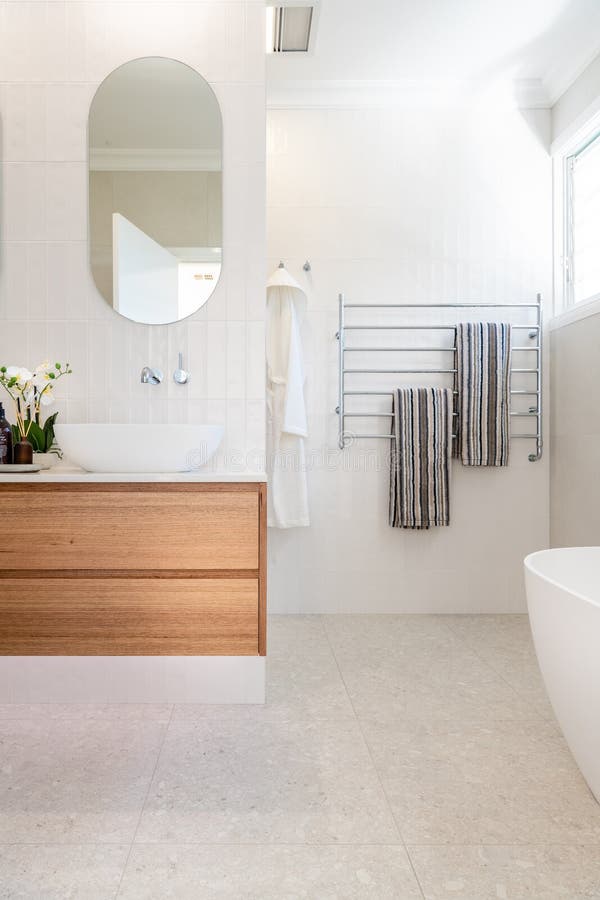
[[155, 190]]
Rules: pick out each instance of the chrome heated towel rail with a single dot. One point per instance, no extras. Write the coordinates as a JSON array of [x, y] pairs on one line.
[[526, 380]]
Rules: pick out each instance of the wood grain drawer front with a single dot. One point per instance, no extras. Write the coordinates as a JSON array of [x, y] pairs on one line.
[[138, 530], [129, 617]]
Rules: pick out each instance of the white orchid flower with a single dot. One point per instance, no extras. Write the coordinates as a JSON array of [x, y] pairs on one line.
[[31, 390], [40, 379], [24, 376]]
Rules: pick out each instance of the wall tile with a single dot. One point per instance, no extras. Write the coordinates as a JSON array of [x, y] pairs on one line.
[[24, 204], [13, 281], [217, 359], [255, 360], [243, 109], [66, 115], [66, 203], [197, 359], [23, 122], [253, 43], [33, 42], [33, 347], [236, 360]]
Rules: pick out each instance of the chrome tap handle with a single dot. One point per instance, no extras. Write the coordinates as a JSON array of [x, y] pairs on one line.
[[180, 375], [151, 376]]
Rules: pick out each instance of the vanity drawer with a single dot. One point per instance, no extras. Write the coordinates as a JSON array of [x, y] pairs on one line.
[[129, 616], [130, 527]]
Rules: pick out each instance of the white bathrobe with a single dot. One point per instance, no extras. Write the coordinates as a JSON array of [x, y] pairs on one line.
[[286, 410]]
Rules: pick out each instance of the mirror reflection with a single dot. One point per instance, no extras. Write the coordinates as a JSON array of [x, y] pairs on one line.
[[155, 190]]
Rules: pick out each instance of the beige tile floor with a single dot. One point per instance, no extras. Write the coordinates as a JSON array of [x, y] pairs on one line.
[[397, 757]]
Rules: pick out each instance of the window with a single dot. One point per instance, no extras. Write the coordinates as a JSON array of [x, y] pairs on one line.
[[582, 224]]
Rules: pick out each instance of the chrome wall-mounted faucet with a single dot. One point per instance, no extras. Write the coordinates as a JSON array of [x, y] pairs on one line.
[[180, 375], [151, 376]]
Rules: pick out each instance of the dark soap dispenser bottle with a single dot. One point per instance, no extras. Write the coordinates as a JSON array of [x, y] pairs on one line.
[[6, 440]]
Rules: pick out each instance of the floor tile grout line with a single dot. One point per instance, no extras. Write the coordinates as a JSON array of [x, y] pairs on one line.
[[145, 800], [474, 649], [375, 769], [536, 715], [414, 870], [468, 642]]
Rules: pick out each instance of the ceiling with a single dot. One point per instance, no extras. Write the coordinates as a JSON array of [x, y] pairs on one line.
[[544, 43]]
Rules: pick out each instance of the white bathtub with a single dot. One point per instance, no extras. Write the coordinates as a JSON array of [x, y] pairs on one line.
[[563, 596]]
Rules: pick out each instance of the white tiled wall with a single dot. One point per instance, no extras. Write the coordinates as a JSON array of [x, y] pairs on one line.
[[52, 57], [406, 205]]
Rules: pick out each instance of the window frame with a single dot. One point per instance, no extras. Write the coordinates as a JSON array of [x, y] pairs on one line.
[[568, 244]]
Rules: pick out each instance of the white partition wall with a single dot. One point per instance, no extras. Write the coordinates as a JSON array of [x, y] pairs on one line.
[[450, 202], [145, 275]]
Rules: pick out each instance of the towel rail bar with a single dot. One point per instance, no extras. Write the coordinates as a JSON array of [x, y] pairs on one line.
[[463, 305], [534, 331], [399, 371], [419, 349], [350, 436], [422, 371], [389, 415], [390, 393], [424, 327]]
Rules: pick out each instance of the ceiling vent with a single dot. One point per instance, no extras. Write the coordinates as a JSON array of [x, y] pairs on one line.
[[289, 28]]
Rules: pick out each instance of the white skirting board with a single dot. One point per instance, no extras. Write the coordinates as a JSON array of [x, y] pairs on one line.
[[132, 679]]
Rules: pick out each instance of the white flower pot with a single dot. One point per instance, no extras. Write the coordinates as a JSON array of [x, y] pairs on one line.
[[45, 460]]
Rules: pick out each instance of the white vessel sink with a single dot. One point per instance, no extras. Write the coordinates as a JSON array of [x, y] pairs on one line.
[[139, 448]]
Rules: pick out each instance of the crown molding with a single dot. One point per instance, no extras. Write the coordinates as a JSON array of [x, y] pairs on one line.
[[564, 74], [531, 93], [109, 159], [330, 94], [578, 132]]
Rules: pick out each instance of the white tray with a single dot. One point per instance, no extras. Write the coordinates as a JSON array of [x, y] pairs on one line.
[[15, 469]]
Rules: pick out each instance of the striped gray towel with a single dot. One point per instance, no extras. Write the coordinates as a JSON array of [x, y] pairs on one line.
[[482, 383], [420, 457]]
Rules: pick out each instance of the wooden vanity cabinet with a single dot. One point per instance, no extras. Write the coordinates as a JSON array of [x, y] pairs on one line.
[[131, 569]]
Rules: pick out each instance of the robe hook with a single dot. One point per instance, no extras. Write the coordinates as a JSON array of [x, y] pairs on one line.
[[307, 266]]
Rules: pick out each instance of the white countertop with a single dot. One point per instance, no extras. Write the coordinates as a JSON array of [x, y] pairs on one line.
[[63, 473]]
